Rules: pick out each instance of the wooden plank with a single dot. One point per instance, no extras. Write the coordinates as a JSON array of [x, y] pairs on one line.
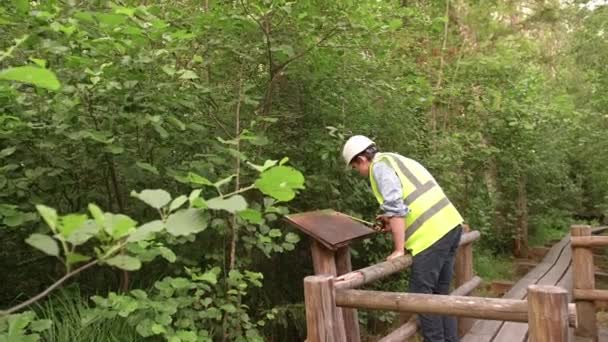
[[512, 331], [486, 330]]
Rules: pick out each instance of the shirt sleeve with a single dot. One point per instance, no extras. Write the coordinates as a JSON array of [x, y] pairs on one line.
[[389, 186]]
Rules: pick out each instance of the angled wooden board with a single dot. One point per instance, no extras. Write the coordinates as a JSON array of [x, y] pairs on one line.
[[552, 269]]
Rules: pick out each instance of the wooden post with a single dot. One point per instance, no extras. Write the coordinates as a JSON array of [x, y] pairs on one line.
[[325, 263], [463, 272], [584, 279], [547, 314], [322, 321], [351, 318], [323, 259]]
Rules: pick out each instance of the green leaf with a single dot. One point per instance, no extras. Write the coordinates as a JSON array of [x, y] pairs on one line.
[[155, 198], [111, 20], [7, 151], [267, 164], [194, 195], [284, 160], [188, 75], [231, 205], [251, 215], [49, 215], [280, 182], [39, 62], [230, 308], [124, 262], [177, 123], [394, 24], [22, 6], [147, 167], [160, 130], [209, 276], [14, 220], [146, 231], [223, 181], [44, 243], [86, 231], [40, 325], [274, 233], [292, 238], [130, 11], [118, 225], [196, 179], [114, 149], [178, 202], [96, 213], [70, 223], [186, 222], [39, 77], [74, 258], [158, 329], [167, 254]]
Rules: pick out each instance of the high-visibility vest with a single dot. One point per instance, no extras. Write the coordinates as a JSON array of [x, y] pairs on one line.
[[431, 214]]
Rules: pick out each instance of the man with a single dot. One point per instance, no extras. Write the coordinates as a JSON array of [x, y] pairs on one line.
[[421, 220]]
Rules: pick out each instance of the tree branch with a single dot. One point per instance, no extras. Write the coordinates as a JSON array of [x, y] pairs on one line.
[[266, 103], [266, 30], [237, 184], [48, 290]]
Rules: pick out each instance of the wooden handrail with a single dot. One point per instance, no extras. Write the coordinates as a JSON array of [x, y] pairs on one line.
[[383, 269], [407, 330], [475, 307], [469, 237], [589, 241], [591, 294], [368, 274]]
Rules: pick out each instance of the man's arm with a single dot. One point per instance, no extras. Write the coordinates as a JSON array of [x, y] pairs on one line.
[[393, 206]]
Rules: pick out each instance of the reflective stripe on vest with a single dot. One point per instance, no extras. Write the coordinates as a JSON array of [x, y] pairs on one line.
[[431, 214]]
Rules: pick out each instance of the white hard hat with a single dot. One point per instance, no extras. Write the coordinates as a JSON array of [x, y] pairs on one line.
[[355, 145]]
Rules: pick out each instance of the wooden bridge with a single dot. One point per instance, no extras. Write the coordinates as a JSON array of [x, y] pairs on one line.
[[553, 302]]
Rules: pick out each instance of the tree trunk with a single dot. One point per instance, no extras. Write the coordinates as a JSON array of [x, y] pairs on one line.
[[521, 238]]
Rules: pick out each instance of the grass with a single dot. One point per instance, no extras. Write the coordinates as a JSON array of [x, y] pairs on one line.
[[540, 237], [493, 267], [66, 310]]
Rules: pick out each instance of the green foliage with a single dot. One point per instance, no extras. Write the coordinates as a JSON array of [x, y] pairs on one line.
[[34, 75], [67, 308], [507, 108], [197, 308], [493, 266], [280, 182], [22, 327]]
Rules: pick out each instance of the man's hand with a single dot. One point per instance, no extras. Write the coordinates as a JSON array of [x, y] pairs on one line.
[[382, 224], [395, 254]]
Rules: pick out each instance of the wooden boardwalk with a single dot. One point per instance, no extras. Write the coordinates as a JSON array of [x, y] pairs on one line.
[[554, 269]]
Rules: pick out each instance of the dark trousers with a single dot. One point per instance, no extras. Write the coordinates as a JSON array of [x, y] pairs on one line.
[[432, 271]]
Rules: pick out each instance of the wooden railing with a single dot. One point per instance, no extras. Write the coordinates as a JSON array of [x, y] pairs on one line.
[[585, 293], [329, 299]]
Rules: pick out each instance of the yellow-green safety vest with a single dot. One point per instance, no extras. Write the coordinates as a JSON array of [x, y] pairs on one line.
[[431, 214]]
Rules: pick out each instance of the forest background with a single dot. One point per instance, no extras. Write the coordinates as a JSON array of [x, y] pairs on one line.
[[149, 148]]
